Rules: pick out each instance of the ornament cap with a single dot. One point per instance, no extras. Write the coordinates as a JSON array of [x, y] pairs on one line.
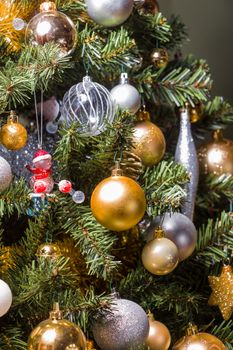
[[124, 79], [159, 232], [56, 313], [143, 115], [217, 135], [150, 316], [48, 6], [117, 171], [13, 118], [192, 329]]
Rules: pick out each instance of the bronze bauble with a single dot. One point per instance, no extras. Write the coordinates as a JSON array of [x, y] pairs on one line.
[[148, 143], [48, 250], [216, 157], [200, 341], [51, 25], [56, 333], [160, 256], [13, 135], [159, 337], [159, 58], [147, 6], [118, 203]]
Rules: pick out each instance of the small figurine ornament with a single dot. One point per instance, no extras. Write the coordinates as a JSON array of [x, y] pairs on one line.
[[41, 181]]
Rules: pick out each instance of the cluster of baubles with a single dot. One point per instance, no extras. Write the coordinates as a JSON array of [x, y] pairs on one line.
[[173, 241]]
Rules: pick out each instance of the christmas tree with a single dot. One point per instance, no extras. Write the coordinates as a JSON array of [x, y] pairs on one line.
[[105, 222]]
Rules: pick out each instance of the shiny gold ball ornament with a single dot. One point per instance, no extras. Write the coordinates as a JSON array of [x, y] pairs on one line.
[[196, 112], [159, 58], [160, 256], [198, 341], [148, 140], [216, 157], [48, 250], [222, 291], [118, 202], [13, 135], [56, 333], [159, 337], [51, 25]]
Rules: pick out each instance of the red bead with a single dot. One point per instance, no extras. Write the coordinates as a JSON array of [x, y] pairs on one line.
[[39, 186], [65, 186]]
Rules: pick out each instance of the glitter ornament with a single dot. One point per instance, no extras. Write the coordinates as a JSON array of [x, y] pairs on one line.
[[125, 326], [5, 298], [13, 135], [126, 96], [159, 337], [109, 13], [198, 341], [90, 105], [148, 140], [179, 229], [56, 333], [118, 202], [5, 174], [160, 256], [159, 58], [186, 155], [216, 157], [222, 291], [48, 250], [52, 25]]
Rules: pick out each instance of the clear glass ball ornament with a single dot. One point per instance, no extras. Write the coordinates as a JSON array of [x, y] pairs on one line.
[[78, 197], [90, 104]]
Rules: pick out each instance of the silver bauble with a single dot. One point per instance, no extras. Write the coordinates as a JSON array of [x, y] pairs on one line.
[[126, 96], [186, 155], [90, 104], [5, 174], [109, 13], [124, 327], [179, 229]]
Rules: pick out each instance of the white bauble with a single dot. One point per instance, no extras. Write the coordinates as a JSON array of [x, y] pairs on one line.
[[5, 174], [126, 96], [5, 298], [109, 13]]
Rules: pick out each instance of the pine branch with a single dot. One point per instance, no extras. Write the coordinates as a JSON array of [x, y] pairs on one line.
[[11, 339], [224, 331], [94, 240], [163, 187]]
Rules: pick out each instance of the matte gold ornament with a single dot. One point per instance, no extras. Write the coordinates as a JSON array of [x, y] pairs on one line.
[[52, 25], [118, 202], [13, 135], [159, 58], [198, 341], [222, 291], [216, 157], [160, 256], [159, 337], [147, 7], [148, 140], [48, 250], [56, 333]]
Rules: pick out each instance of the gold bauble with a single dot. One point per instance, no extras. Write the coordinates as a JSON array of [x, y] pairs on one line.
[[148, 7], [222, 291], [196, 113], [13, 135], [56, 334], [52, 25], [160, 256], [159, 337], [48, 250], [198, 341], [118, 202], [216, 157], [159, 58], [148, 141]]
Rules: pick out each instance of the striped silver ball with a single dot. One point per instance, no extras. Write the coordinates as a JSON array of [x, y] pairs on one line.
[[124, 327], [109, 13], [5, 174]]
